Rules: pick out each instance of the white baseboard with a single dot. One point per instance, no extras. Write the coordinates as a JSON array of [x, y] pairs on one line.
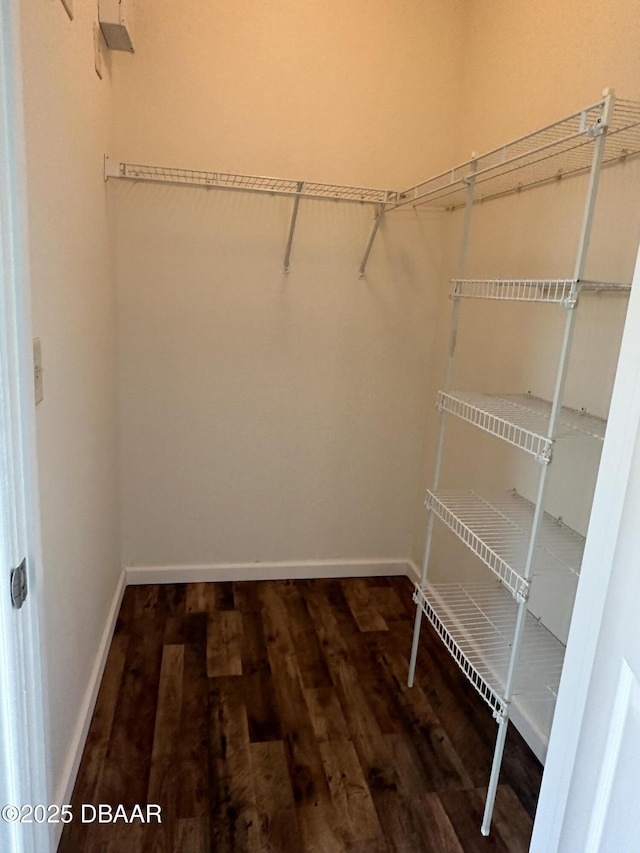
[[134, 575], [288, 570], [413, 572], [536, 740], [74, 754]]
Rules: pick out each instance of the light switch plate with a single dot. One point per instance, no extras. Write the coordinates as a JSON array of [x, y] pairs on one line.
[[37, 370]]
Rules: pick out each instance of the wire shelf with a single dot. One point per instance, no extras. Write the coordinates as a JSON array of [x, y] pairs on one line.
[[498, 529], [556, 291], [521, 420], [252, 183], [559, 149], [476, 623], [555, 151]]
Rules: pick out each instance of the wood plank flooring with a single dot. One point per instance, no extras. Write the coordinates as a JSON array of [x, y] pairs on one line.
[[275, 716]]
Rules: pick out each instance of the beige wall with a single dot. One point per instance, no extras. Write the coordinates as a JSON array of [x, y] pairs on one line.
[[350, 93], [266, 417], [526, 64], [68, 115]]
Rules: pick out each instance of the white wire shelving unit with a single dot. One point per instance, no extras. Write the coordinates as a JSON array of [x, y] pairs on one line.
[[251, 183], [521, 420], [510, 657], [497, 529], [476, 622], [489, 631], [297, 190], [551, 153], [561, 292]]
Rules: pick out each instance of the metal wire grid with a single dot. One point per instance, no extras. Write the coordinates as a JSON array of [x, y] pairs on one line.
[[520, 419], [459, 654], [623, 135], [515, 290], [498, 529], [560, 149], [254, 183], [556, 291], [477, 623]]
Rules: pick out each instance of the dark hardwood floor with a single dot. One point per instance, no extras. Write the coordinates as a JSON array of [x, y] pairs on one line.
[[275, 716]]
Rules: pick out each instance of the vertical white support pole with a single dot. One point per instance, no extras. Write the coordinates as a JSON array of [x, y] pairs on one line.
[[592, 189], [455, 316], [372, 237], [292, 227], [563, 364]]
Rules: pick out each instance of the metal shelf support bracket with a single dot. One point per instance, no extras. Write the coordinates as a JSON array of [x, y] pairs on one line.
[[111, 168], [372, 237], [292, 226]]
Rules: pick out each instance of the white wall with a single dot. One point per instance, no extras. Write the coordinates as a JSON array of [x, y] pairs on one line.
[[68, 115], [266, 417]]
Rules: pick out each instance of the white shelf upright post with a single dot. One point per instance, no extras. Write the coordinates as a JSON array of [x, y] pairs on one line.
[[599, 131], [462, 259]]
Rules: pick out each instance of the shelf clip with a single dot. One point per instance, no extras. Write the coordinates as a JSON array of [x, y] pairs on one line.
[[571, 300], [521, 594], [597, 128], [545, 455], [500, 714]]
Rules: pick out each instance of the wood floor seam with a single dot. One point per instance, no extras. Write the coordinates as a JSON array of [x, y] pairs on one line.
[[274, 717]]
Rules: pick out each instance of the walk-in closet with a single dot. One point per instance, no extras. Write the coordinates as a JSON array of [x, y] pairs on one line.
[[333, 315]]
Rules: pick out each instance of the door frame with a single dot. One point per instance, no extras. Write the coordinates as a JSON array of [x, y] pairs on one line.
[[623, 427], [24, 736]]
